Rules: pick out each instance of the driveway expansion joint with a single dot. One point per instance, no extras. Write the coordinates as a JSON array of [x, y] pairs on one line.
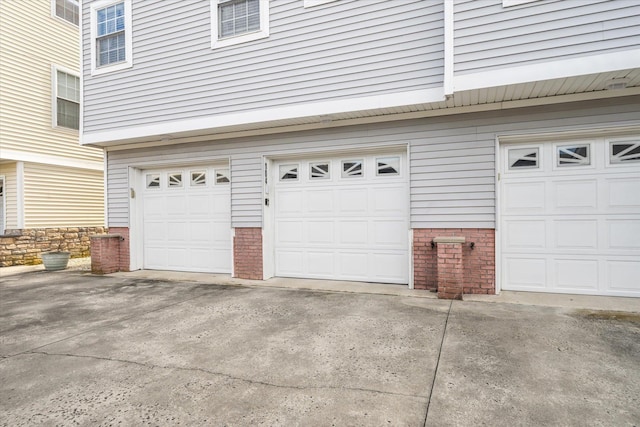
[[435, 371], [228, 376]]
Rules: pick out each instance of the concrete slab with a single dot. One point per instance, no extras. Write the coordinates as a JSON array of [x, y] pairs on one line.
[[139, 349]]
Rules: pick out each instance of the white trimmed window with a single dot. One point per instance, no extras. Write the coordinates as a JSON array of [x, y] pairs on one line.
[[111, 45], [238, 21], [69, 10], [66, 108]]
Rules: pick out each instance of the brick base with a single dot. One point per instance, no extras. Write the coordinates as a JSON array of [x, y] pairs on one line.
[[24, 246], [247, 253], [478, 264], [110, 252]]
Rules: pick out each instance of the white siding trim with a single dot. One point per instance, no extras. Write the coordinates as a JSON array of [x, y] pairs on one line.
[[448, 48], [128, 37], [268, 115], [50, 160], [241, 38], [20, 195], [563, 68], [497, 231], [3, 208]]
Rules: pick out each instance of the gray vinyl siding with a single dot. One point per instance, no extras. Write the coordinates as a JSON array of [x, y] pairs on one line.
[[452, 159], [339, 50], [490, 36]]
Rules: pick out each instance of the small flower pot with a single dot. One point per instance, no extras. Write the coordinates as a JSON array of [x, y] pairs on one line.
[[54, 261]]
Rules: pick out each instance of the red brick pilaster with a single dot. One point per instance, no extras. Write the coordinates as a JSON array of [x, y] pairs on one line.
[[247, 253], [478, 261], [110, 252], [450, 268]]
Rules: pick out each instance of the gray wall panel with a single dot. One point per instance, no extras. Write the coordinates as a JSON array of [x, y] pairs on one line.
[[452, 158], [490, 36], [355, 48]]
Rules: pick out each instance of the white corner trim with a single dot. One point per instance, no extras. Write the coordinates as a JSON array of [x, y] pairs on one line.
[[21, 156], [448, 48], [19, 195], [128, 37], [269, 115], [216, 42], [558, 69]]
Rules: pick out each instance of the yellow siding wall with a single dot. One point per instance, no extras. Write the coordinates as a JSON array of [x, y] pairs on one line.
[[31, 42], [57, 196], [8, 170]]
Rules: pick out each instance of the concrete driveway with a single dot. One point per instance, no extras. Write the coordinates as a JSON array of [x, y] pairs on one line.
[[126, 349]]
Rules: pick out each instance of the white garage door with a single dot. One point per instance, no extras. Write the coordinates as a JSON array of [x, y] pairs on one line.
[[187, 220], [570, 217], [343, 218]]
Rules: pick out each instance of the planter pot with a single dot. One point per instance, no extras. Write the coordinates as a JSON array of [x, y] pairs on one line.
[[55, 260]]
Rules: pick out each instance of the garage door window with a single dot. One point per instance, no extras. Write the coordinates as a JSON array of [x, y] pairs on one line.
[[352, 168], [289, 172], [523, 158], [222, 176], [174, 180], [153, 180], [198, 178], [388, 166], [625, 152], [573, 155], [319, 171]]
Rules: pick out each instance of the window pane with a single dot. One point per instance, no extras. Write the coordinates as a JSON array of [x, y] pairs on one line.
[[111, 49], [68, 114], [238, 17], [68, 10]]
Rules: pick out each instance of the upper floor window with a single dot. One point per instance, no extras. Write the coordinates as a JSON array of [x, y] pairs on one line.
[[111, 44], [67, 10], [67, 102], [238, 21]]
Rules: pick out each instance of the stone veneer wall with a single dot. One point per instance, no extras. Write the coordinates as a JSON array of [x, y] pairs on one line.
[[478, 263], [24, 246]]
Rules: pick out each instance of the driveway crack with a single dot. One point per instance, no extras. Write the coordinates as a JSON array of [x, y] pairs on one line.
[[228, 376], [435, 372]]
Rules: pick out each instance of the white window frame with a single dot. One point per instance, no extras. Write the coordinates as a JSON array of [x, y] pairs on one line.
[[313, 3], [262, 33], [55, 15], [128, 62], [54, 98]]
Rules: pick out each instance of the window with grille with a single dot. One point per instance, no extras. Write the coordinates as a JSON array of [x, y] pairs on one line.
[[67, 10], [238, 21], [111, 46], [67, 106]]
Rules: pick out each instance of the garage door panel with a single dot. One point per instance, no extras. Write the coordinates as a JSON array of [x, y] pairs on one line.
[[290, 231], [526, 273], [320, 232], [525, 234], [388, 266], [623, 276], [389, 233], [575, 194], [576, 234], [353, 233], [320, 202], [186, 225], [321, 264], [624, 234], [570, 228], [353, 266], [576, 274], [289, 202], [624, 193], [352, 201], [389, 201], [524, 197], [289, 262]]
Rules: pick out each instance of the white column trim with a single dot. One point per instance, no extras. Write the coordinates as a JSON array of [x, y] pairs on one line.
[[448, 48], [46, 159], [20, 195]]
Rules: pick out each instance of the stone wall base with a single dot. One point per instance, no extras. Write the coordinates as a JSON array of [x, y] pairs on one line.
[[24, 246]]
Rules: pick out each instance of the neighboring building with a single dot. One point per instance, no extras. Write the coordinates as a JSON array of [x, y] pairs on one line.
[[51, 188], [482, 144]]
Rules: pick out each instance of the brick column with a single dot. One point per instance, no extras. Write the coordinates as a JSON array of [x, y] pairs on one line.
[[105, 253], [247, 253], [450, 267]]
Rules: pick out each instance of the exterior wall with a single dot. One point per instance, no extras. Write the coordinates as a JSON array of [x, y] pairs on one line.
[[110, 252], [490, 36], [478, 264], [452, 159], [74, 197], [247, 253], [24, 246], [32, 43], [339, 50], [8, 170]]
